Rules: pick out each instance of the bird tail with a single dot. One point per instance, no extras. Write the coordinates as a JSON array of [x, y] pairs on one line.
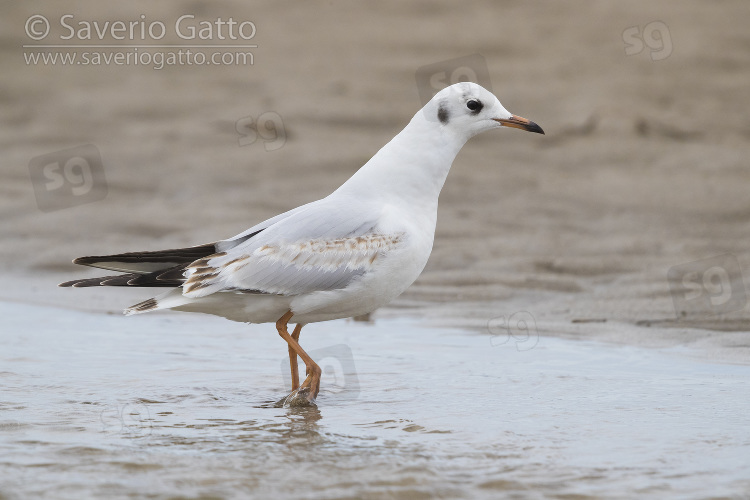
[[172, 298]]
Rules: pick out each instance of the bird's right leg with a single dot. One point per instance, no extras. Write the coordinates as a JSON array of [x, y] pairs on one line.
[[293, 358], [310, 388]]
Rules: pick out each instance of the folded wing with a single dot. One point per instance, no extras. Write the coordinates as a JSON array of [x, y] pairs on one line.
[[319, 246], [324, 248]]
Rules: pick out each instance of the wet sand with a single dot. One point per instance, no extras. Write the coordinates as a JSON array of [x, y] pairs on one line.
[[626, 225], [172, 406]]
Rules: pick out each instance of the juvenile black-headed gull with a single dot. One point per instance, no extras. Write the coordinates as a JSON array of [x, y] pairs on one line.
[[344, 255]]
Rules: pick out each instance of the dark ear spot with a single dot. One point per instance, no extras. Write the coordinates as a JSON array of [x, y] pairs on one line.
[[443, 115]]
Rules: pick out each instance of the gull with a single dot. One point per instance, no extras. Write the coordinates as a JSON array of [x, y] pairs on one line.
[[344, 255]]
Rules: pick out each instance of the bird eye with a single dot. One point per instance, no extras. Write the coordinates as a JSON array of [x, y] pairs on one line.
[[474, 105]]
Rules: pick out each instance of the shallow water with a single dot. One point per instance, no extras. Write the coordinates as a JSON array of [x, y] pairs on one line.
[[180, 405]]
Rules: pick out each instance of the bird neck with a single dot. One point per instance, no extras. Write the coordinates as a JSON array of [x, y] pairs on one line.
[[413, 166]]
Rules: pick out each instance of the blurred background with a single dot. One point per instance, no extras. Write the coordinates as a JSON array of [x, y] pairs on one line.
[[628, 222], [643, 168]]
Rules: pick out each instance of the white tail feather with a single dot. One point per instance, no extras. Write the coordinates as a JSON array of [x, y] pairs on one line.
[[172, 298]]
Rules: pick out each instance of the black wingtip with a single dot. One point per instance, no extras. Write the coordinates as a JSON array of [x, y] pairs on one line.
[[84, 261], [79, 283]]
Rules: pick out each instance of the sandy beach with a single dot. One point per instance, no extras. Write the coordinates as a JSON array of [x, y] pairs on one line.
[[626, 225]]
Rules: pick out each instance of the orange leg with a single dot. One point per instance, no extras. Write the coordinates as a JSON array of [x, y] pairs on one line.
[[293, 357], [312, 383]]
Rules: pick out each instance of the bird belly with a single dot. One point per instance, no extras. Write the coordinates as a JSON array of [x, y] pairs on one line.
[[241, 307]]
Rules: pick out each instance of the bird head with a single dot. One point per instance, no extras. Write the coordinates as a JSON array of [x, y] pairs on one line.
[[470, 109]]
